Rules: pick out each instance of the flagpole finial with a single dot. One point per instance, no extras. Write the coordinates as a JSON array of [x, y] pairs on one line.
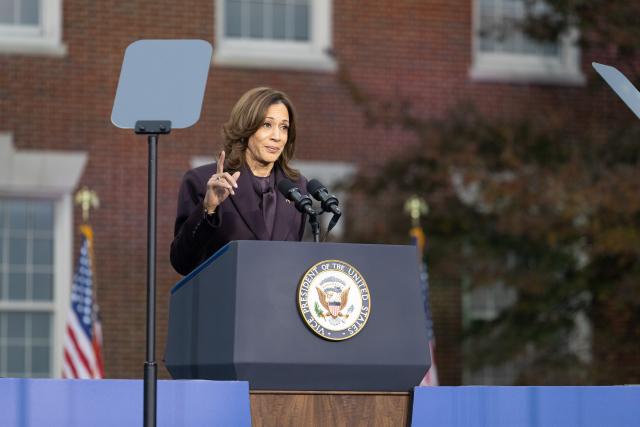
[[87, 199], [416, 207]]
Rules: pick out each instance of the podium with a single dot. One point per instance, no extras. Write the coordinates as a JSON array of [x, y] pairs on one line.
[[238, 317]]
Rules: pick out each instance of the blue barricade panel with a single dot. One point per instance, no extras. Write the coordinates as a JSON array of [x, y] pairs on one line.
[[96, 403], [527, 406]]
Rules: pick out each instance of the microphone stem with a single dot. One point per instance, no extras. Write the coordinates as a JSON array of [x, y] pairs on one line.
[[315, 227]]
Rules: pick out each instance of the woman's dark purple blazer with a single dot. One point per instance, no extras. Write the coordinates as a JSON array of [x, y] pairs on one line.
[[237, 218]]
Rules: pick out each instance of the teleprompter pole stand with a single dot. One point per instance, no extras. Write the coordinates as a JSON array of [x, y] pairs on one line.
[[161, 88], [152, 129]]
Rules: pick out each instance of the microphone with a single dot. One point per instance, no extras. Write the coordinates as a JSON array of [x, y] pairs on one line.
[[329, 202], [302, 202]]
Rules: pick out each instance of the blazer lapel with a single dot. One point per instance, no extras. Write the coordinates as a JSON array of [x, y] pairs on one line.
[[285, 211], [246, 203]]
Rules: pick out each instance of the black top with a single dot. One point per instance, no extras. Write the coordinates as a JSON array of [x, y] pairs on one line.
[[239, 217]]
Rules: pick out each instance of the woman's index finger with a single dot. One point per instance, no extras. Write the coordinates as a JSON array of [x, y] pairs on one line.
[[220, 163]]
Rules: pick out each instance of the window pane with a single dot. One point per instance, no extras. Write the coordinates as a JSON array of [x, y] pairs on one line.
[[7, 12], [41, 326], [279, 20], [233, 18], [40, 360], [27, 344], [43, 287], [488, 26], [268, 19], [16, 355], [17, 251], [550, 48], [301, 22], [17, 214], [16, 325], [256, 19], [29, 12], [42, 251], [2, 217], [17, 286], [42, 214], [499, 32]]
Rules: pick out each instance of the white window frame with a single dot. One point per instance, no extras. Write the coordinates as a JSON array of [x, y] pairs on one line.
[[43, 39], [50, 175], [526, 68], [287, 54]]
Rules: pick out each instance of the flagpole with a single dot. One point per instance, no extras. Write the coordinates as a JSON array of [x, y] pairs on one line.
[[88, 199], [416, 207], [82, 347]]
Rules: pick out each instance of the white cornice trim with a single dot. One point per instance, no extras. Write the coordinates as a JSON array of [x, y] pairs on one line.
[[38, 172]]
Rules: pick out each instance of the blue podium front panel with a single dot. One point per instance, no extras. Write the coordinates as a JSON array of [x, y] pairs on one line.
[[527, 406], [97, 403]]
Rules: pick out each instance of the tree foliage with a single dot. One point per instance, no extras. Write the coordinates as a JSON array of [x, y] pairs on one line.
[[545, 208], [550, 213]]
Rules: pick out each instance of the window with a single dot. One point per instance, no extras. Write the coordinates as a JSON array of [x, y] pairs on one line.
[[35, 257], [26, 287], [485, 303], [31, 27], [292, 34], [502, 52]]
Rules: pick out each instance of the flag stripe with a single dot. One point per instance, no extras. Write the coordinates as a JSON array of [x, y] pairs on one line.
[[81, 341], [69, 365], [79, 352], [76, 363]]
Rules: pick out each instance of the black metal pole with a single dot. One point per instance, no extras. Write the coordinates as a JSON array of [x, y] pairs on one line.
[[150, 366]]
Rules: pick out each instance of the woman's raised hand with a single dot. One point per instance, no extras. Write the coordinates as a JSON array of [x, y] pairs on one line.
[[219, 186]]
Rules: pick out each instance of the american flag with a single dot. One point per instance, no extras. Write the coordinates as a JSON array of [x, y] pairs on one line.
[[83, 337], [418, 238]]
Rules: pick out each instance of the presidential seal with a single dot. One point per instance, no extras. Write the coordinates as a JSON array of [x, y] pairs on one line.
[[334, 300]]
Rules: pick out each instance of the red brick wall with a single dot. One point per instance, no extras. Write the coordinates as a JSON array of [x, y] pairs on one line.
[[414, 50]]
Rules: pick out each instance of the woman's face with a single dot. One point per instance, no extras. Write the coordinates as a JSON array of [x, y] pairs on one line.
[[266, 145]]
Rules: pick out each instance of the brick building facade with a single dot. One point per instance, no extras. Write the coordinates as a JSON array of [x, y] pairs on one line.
[[57, 96]]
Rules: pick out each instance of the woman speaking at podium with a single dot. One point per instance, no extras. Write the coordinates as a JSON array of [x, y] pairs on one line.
[[236, 197]]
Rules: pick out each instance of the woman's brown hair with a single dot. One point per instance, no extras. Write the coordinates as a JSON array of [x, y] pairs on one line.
[[246, 118]]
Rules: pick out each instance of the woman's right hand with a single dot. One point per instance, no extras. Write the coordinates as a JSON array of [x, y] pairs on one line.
[[219, 186]]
